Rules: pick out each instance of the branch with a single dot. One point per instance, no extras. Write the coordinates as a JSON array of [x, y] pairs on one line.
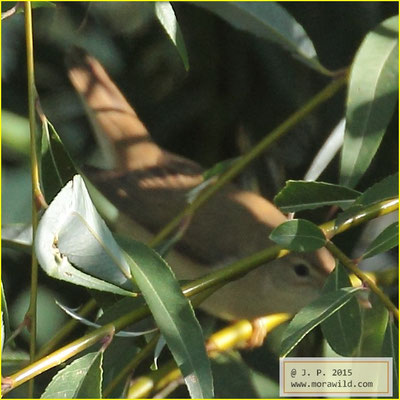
[[247, 158], [365, 279], [209, 282], [225, 339]]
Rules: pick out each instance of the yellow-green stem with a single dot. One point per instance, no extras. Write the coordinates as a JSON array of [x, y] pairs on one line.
[[32, 310], [145, 352], [224, 340], [201, 284], [247, 158], [57, 357], [154, 381], [332, 228], [351, 266], [207, 282]]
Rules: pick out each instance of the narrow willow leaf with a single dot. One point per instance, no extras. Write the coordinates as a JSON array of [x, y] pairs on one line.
[[372, 96], [343, 329], [118, 355], [80, 380], [375, 320], [72, 228], [390, 348], [209, 177], [57, 165], [166, 15], [265, 386], [72, 313], [4, 316], [3, 332], [326, 153], [302, 195], [298, 235], [161, 343], [219, 168], [233, 377], [122, 307], [269, 21], [386, 240], [385, 189], [43, 4], [89, 251], [312, 315], [174, 315]]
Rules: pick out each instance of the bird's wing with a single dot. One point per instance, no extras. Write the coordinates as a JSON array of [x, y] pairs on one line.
[[150, 185], [152, 197]]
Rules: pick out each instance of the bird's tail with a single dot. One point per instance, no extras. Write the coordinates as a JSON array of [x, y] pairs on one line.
[[122, 136]]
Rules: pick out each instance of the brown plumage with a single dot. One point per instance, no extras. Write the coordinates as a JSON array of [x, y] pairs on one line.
[[149, 186]]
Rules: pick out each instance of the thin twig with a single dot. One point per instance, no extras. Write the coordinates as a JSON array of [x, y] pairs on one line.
[[211, 280], [351, 266], [31, 314], [247, 158]]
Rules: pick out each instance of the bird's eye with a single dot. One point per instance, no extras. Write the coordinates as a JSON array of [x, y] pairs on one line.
[[302, 270]]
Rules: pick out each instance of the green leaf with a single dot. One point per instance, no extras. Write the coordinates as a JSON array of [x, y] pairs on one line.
[[121, 307], [174, 315], [386, 240], [298, 235], [265, 385], [372, 96], [390, 348], [235, 379], [342, 329], [268, 21], [45, 4], [350, 213], [375, 321], [166, 15], [231, 376], [80, 380], [119, 354], [3, 331], [314, 314], [219, 168], [57, 165], [73, 244], [122, 349], [127, 334], [209, 178], [385, 189], [302, 195], [6, 332]]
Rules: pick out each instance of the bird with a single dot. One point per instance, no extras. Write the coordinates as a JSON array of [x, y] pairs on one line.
[[149, 186]]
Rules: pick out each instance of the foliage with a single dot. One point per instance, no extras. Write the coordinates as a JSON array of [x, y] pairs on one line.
[[210, 82]]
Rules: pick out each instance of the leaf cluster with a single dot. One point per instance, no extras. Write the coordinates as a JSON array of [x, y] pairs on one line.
[[133, 287]]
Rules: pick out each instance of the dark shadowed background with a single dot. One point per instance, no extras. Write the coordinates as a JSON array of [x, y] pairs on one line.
[[238, 88]]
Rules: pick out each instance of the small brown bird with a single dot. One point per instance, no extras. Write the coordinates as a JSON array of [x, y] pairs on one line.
[[149, 186]]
